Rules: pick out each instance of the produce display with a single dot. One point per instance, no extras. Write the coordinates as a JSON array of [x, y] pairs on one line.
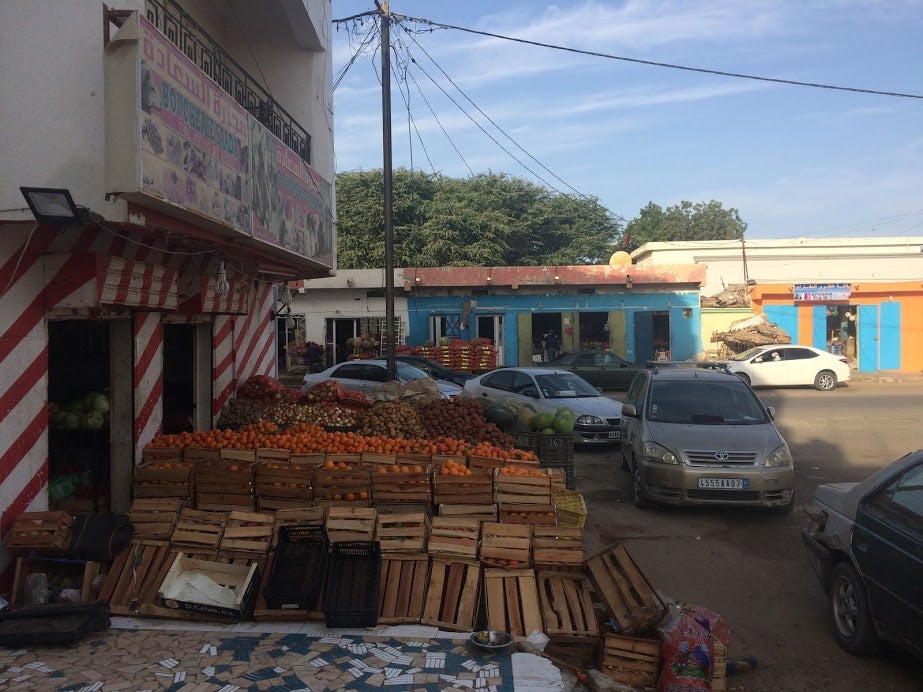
[[90, 412], [462, 418]]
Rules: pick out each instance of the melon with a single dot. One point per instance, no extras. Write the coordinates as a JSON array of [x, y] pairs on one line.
[[525, 416], [543, 421], [502, 416]]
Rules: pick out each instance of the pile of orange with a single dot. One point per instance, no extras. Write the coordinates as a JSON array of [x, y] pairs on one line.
[[454, 468]]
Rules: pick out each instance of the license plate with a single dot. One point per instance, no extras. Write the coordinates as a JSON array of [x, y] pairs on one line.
[[614, 435], [724, 483]]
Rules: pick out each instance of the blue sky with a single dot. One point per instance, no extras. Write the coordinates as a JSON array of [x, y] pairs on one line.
[[796, 162]]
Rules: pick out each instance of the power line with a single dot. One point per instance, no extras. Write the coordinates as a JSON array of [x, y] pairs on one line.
[[653, 63]]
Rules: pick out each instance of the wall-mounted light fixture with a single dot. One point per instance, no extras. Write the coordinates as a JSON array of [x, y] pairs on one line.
[[557, 279], [417, 279], [628, 280], [53, 205], [222, 287], [349, 282], [489, 279], [285, 296]]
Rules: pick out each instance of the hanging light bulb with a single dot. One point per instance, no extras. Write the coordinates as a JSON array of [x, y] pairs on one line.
[[285, 296], [222, 287]]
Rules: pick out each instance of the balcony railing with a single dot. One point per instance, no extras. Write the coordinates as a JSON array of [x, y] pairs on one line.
[[180, 28]]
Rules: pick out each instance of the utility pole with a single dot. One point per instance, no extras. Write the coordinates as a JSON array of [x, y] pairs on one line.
[[388, 187], [743, 251]]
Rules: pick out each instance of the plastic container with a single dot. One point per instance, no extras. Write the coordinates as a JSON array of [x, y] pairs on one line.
[[297, 568], [353, 584]]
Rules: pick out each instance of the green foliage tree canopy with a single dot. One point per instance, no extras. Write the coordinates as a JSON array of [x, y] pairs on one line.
[[684, 221]]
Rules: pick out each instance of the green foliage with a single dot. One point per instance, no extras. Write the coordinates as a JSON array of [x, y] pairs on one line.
[[482, 221], [684, 221]]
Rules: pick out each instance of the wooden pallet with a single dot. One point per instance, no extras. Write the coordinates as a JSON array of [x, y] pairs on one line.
[[155, 517], [199, 530], [624, 590], [557, 546], [535, 515], [567, 606], [719, 667], [454, 537], [135, 576], [404, 579], [511, 599], [630, 660], [506, 545], [402, 533], [452, 595], [46, 533], [247, 532], [351, 524]]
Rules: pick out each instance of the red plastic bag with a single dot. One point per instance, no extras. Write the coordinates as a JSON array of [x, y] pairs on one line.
[[687, 651]]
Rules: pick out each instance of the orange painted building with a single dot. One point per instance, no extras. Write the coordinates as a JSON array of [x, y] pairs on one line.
[[877, 325]]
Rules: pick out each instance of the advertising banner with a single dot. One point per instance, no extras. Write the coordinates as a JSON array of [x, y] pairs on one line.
[[195, 137], [822, 292]]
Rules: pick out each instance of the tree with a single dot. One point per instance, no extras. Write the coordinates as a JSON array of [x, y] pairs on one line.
[[684, 221], [485, 220]]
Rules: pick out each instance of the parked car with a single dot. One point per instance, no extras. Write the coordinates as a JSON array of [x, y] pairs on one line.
[[782, 366], [695, 434], [548, 389], [364, 375], [865, 542], [599, 367], [435, 369]]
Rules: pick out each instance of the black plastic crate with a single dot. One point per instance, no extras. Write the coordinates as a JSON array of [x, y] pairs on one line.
[[527, 441], [297, 568], [353, 583], [549, 442]]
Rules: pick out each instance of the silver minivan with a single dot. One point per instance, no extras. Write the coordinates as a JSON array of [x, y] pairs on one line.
[[699, 435]]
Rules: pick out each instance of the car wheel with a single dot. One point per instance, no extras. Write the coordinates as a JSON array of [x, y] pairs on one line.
[[744, 376], [637, 489], [850, 615], [825, 381]]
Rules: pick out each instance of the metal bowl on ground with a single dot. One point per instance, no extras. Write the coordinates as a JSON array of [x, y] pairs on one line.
[[490, 640]]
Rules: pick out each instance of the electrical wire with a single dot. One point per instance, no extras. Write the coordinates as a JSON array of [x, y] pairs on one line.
[[22, 254], [672, 66], [441, 126], [411, 122]]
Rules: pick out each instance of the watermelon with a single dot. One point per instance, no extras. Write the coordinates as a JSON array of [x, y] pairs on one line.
[[543, 421], [525, 416], [502, 416]]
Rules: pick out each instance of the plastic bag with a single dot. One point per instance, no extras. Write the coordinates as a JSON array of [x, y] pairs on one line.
[[687, 651]]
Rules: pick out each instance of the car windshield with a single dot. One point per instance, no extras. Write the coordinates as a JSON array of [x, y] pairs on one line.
[[748, 354], [700, 402], [405, 372], [564, 386]]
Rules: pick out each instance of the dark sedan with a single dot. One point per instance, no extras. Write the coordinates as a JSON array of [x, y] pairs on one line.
[[435, 370], [600, 368], [866, 546]]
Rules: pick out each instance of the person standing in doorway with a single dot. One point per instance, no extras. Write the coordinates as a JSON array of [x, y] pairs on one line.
[[552, 346]]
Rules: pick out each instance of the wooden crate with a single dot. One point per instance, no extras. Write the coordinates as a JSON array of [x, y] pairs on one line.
[[155, 517], [200, 455], [567, 605], [557, 546], [351, 524], [247, 532], [630, 660], [506, 545], [412, 459], [402, 594], [535, 515], [476, 462], [476, 489], [516, 489], [308, 460], [624, 590], [79, 574], [135, 576], [226, 484], [452, 595], [482, 512], [281, 484], [511, 600], [570, 507], [404, 507], [199, 530], [272, 455], [163, 473], [45, 533], [719, 667], [454, 537], [402, 533], [351, 485], [377, 459], [392, 483]]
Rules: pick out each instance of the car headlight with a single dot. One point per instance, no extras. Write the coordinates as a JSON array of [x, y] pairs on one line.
[[659, 454], [781, 456], [590, 420]]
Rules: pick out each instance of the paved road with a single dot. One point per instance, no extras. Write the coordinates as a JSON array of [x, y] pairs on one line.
[[751, 567]]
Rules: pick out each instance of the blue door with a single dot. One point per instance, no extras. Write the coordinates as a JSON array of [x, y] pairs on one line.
[[868, 338], [785, 317], [819, 328], [889, 349], [644, 336]]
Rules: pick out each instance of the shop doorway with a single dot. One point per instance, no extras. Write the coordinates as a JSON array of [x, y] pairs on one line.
[[842, 332], [542, 324], [79, 448], [491, 327], [179, 378], [660, 329], [594, 330]]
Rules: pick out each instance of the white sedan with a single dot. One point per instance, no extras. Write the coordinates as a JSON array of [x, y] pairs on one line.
[[365, 375], [787, 365], [598, 417]]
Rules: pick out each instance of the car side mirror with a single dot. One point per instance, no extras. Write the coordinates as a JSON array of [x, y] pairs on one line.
[[629, 410]]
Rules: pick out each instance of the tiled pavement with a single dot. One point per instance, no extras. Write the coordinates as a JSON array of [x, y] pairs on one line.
[[144, 654]]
